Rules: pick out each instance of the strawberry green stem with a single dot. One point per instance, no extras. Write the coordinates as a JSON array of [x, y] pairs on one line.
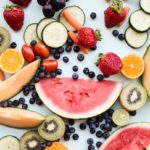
[[117, 6], [98, 35]]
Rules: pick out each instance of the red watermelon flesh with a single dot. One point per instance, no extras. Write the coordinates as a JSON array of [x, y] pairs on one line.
[[77, 97], [132, 137]]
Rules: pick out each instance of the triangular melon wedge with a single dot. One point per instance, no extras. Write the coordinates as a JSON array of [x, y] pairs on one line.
[[15, 83]]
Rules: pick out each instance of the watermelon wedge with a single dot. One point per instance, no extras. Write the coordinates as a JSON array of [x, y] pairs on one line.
[[132, 137], [78, 99]]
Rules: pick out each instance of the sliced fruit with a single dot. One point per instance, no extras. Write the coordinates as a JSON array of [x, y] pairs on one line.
[[132, 137], [15, 83], [52, 129], [147, 148], [79, 99], [20, 118], [146, 74], [31, 140], [58, 32], [145, 6], [2, 76], [42, 24], [120, 117], [77, 13], [11, 61], [133, 66], [5, 39], [9, 143], [56, 146], [30, 33], [133, 97], [140, 21], [135, 39]]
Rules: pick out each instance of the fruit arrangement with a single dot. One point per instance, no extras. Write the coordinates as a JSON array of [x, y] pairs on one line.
[[80, 98]]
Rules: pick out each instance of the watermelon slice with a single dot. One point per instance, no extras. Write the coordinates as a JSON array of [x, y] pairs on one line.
[[132, 137], [78, 99]]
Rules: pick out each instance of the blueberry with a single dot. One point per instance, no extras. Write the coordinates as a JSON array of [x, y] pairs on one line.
[[76, 49], [9, 103], [48, 143], [92, 130], [121, 37], [80, 57], [99, 119], [91, 74], [26, 88], [61, 50], [72, 130], [132, 113], [38, 101], [99, 134], [90, 121], [91, 147], [34, 94], [70, 42], [98, 144], [71, 122], [75, 76], [32, 100], [102, 126], [110, 112], [33, 43], [65, 59], [25, 93], [59, 71], [68, 49], [13, 45], [82, 126], [100, 77], [42, 75], [31, 87], [107, 127], [94, 48], [43, 145], [56, 55], [92, 125], [86, 71], [106, 115], [21, 100], [36, 79], [42, 68], [106, 135], [75, 136], [93, 15], [90, 141], [68, 134], [53, 51], [24, 106], [53, 74], [96, 124], [75, 68], [108, 120], [115, 33], [66, 138], [38, 58], [5, 104]]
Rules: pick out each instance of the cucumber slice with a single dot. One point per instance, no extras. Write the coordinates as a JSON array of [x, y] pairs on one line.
[[76, 12], [55, 34], [30, 33], [41, 26], [145, 6], [135, 39], [140, 21], [9, 143]]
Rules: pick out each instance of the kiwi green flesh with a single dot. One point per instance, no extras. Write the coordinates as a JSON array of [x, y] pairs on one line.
[[5, 39], [31, 141], [133, 97], [52, 128]]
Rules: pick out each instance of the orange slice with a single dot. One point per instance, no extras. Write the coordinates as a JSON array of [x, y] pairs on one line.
[[133, 66], [56, 146], [11, 61]]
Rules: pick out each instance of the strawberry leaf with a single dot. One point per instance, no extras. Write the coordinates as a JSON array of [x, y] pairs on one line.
[[117, 6], [98, 35]]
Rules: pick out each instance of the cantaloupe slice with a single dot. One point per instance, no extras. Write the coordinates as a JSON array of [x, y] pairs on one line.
[[146, 74], [20, 118], [15, 83]]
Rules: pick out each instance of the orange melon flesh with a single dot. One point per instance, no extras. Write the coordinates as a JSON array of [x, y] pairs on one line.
[[15, 83], [20, 118], [146, 74]]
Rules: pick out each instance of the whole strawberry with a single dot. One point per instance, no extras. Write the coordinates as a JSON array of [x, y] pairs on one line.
[[88, 37], [115, 14], [14, 16], [110, 64], [23, 3]]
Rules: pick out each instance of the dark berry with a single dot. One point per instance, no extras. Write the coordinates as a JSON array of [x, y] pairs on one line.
[[5, 104], [98, 144], [106, 135], [100, 77], [32, 100], [99, 119], [94, 48], [42, 75], [26, 88], [115, 33], [108, 120], [71, 122], [38, 101], [92, 130], [90, 141], [48, 11], [42, 68], [68, 49], [25, 93], [82, 126], [66, 138], [24, 106], [93, 15], [43, 145], [121, 37], [61, 50], [86, 71], [53, 74], [75, 68], [42, 2], [75, 136], [91, 147], [36, 79], [99, 134], [21, 100], [65, 59], [132, 113], [76, 49], [107, 127], [72, 130], [56, 55], [91, 74], [70, 42], [13, 45], [34, 94], [102, 126], [48, 143], [75, 76], [38, 58], [31, 87], [9, 103], [80, 57], [110, 112], [33, 43], [59, 71], [53, 51]]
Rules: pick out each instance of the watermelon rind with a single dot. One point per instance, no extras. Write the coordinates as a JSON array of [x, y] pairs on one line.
[[112, 137], [96, 111]]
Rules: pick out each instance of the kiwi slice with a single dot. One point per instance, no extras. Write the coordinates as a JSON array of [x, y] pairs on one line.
[[52, 128], [31, 140], [120, 117], [5, 39], [147, 148], [133, 97]]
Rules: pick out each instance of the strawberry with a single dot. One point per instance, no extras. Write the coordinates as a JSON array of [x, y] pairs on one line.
[[88, 37], [23, 3], [14, 16], [110, 64], [115, 14]]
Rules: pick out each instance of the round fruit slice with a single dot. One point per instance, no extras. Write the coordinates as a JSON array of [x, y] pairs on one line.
[[133, 66], [53, 128], [78, 99], [11, 61], [56, 146], [31, 140], [132, 137], [133, 97], [120, 117], [5, 39]]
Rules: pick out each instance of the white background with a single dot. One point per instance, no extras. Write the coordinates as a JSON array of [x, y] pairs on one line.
[[33, 14]]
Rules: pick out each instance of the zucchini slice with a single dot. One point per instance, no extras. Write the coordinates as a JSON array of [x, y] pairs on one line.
[[140, 21], [145, 6], [135, 39], [30, 33], [76, 12], [55, 34], [9, 143], [41, 26]]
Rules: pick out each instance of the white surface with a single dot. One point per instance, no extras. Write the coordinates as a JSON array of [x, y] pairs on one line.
[[109, 43]]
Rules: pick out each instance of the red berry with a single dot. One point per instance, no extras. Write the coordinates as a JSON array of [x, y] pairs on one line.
[[23, 3]]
